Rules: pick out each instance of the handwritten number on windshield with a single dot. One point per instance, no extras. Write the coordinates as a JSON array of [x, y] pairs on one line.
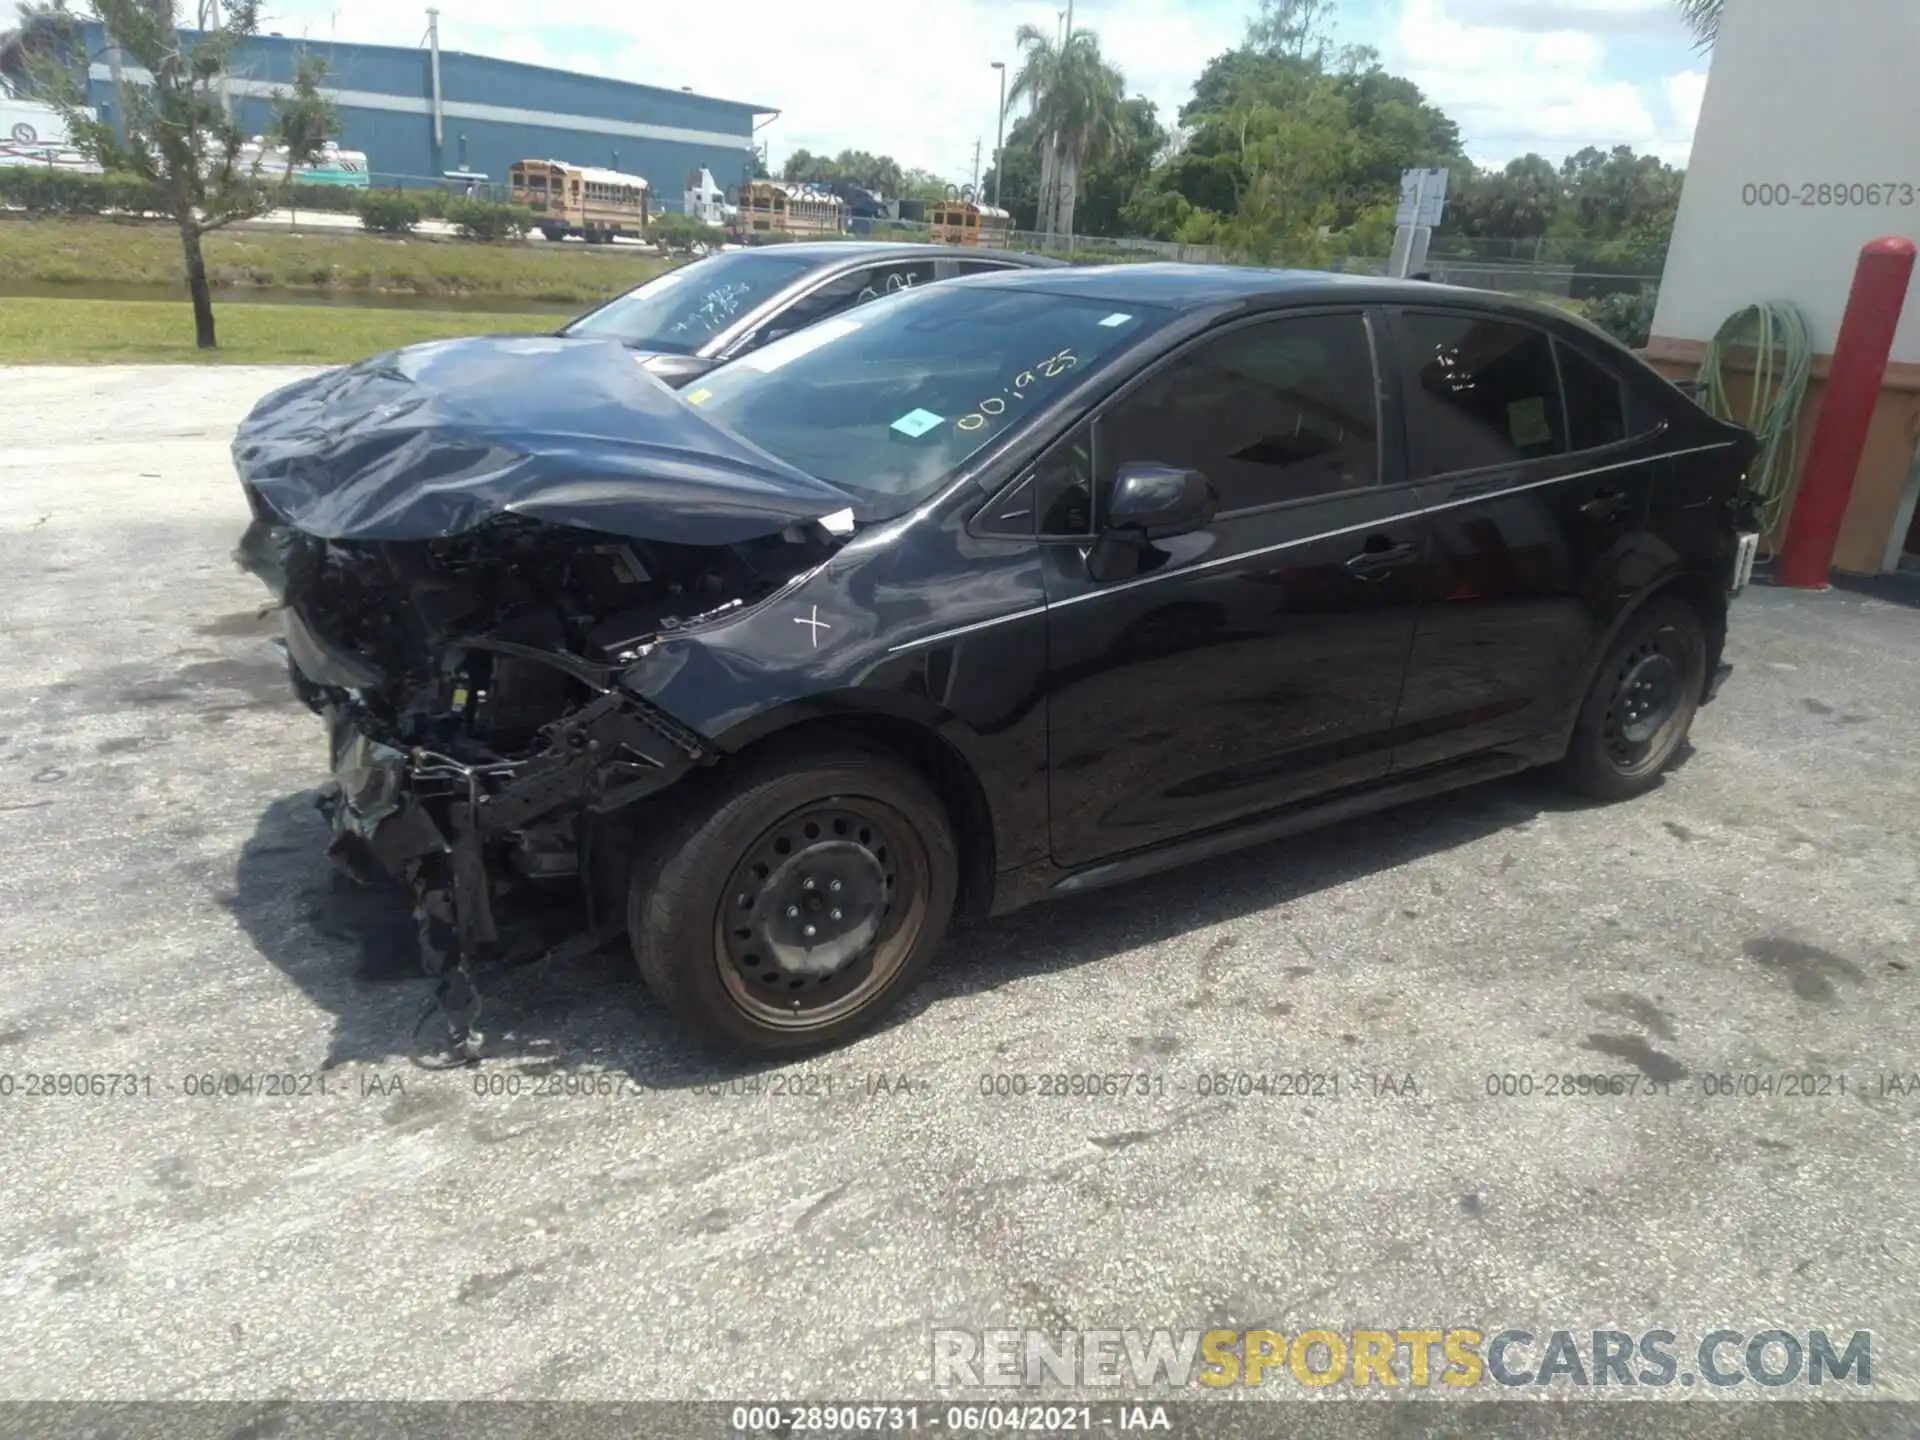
[[1051, 368]]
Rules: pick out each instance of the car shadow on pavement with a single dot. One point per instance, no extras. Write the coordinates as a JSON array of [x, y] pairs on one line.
[[352, 950]]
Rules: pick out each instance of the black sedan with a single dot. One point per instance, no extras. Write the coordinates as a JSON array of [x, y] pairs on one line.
[[692, 318], [993, 590]]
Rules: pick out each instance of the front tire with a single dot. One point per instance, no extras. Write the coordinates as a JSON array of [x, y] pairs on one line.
[[1641, 705], [789, 909]]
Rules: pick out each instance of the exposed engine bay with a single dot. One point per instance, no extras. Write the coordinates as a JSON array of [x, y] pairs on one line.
[[484, 753]]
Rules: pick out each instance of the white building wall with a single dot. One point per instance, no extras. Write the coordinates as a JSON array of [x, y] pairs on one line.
[[1800, 95]]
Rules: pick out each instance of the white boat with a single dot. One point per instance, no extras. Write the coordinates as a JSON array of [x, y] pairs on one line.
[[332, 166]]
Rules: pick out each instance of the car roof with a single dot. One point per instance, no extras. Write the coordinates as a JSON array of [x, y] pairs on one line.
[[1186, 288], [857, 251]]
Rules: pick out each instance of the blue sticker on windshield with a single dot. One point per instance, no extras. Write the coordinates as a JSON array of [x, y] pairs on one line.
[[1117, 318], [916, 423]]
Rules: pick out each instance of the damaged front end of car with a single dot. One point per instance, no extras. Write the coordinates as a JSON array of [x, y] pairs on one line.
[[465, 574]]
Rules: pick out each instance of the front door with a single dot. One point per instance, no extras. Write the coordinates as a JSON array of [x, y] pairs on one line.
[[1257, 662], [1536, 497]]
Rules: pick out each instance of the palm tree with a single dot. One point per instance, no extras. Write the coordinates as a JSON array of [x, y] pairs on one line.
[[1074, 97], [1703, 18]]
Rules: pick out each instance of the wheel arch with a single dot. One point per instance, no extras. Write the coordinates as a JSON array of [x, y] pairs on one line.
[[1702, 593], [1699, 590], [920, 739]]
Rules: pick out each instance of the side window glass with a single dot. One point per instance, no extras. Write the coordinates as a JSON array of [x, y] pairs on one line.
[[1063, 486], [1596, 401], [1279, 411], [979, 267], [844, 293], [1480, 391], [840, 293], [1010, 512], [885, 279]]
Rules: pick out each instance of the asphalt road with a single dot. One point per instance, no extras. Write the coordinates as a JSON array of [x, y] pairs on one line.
[[165, 914]]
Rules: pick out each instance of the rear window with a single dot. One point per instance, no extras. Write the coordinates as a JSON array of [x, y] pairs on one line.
[[892, 399]]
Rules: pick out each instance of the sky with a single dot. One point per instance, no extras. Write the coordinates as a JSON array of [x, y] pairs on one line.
[[913, 79]]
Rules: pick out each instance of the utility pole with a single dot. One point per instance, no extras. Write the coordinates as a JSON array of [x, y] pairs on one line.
[[1063, 196], [975, 187], [433, 47], [999, 133]]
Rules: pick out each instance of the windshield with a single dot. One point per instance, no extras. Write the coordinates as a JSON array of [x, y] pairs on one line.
[[678, 312], [890, 400]]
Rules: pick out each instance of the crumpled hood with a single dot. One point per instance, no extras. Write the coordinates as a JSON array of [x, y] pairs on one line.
[[435, 439]]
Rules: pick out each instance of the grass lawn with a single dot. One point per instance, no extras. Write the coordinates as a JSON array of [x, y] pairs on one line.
[[89, 252], [99, 332]]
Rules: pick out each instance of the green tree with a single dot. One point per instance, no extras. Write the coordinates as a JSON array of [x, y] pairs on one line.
[[1074, 96], [1521, 201], [1111, 181], [1272, 151], [1296, 145], [803, 167], [922, 185], [175, 132], [46, 33], [880, 173], [1018, 174], [1394, 129], [1610, 191], [304, 119]]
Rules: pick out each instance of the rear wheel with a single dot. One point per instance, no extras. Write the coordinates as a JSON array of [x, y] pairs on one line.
[[1637, 714], [792, 908]]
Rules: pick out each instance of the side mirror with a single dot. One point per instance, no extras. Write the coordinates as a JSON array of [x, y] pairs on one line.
[[1159, 501]]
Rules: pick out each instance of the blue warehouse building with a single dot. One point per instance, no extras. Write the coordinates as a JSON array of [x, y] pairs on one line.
[[479, 114]]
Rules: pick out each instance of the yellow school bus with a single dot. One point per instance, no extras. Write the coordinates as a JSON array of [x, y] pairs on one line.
[[580, 200], [779, 207], [962, 222]]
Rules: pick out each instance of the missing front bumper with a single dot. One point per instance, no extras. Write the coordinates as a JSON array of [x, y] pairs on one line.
[[460, 837]]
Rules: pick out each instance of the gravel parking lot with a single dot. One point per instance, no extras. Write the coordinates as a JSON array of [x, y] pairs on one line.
[[166, 915]]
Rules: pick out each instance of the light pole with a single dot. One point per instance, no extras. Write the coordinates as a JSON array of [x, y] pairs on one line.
[[999, 132]]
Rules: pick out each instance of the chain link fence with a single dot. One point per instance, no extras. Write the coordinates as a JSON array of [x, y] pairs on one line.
[[1557, 266]]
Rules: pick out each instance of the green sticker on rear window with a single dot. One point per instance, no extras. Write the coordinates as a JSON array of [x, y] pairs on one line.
[[1527, 422], [916, 423]]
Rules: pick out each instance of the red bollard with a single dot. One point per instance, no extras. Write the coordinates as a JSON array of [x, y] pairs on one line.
[[1846, 409]]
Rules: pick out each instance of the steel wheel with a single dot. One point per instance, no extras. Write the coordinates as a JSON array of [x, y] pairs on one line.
[[821, 912], [1641, 703], [1645, 705]]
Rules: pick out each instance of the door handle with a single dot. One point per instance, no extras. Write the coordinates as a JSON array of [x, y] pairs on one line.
[[1381, 556], [1607, 505]]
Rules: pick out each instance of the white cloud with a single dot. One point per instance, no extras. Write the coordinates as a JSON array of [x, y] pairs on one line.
[[1544, 84], [1685, 91], [910, 80]]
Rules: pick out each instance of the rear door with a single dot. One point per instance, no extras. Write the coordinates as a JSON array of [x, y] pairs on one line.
[[1535, 488], [1254, 663]]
